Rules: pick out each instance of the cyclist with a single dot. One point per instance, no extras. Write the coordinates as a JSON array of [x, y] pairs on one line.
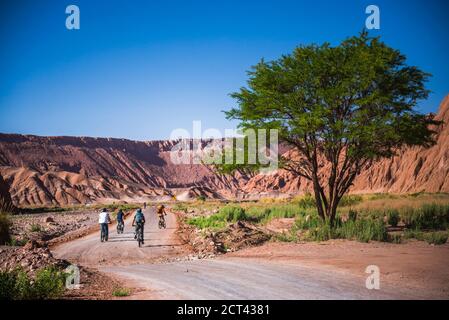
[[120, 218], [138, 222], [104, 220], [161, 212]]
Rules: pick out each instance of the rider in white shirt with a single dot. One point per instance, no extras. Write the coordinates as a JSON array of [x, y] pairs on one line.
[[104, 220]]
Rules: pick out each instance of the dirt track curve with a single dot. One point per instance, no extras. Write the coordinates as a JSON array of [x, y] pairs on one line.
[[123, 248], [220, 278]]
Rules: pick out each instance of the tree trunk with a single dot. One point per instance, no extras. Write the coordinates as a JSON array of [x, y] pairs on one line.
[[332, 210], [318, 200]]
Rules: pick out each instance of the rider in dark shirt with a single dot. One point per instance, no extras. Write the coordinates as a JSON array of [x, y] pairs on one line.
[[120, 216], [139, 222]]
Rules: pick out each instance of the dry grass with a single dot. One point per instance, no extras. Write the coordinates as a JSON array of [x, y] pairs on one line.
[[405, 201], [363, 203]]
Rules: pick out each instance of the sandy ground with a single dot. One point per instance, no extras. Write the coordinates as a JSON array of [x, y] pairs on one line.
[[412, 266], [58, 225], [330, 270]]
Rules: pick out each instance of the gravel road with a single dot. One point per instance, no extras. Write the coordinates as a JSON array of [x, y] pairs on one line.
[[220, 278], [236, 278]]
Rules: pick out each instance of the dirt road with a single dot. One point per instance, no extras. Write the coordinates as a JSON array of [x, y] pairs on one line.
[[236, 278], [220, 278], [123, 248]]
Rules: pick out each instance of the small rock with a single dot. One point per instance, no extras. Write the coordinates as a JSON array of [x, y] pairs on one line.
[[49, 219]]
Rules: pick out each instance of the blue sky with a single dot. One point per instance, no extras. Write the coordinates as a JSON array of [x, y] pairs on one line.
[[139, 69]]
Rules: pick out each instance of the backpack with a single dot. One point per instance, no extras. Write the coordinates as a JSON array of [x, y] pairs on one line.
[[139, 217]]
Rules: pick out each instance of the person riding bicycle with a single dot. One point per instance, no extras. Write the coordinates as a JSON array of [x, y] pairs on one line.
[[138, 222], [104, 220], [120, 217], [161, 212]]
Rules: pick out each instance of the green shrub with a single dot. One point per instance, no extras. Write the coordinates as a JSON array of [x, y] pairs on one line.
[[363, 230], [352, 215], [48, 283], [322, 233], [393, 217], [308, 222], [395, 238], [219, 220], [121, 292], [233, 213], [437, 238], [180, 207], [350, 200], [36, 228], [381, 196], [23, 289], [201, 198], [5, 225], [17, 242], [414, 234], [264, 215], [308, 201], [427, 217], [7, 285], [213, 222], [374, 215], [287, 237]]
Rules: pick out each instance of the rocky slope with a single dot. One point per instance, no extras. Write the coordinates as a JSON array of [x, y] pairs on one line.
[[80, 170], [69, 170], [5, 197]]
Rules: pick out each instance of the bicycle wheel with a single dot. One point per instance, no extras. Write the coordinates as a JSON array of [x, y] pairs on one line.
[[139, 240], [140, 236]]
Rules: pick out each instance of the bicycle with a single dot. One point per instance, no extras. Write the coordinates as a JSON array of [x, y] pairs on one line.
[[120, 227], [139, 234], [162, 223], [104, 234]]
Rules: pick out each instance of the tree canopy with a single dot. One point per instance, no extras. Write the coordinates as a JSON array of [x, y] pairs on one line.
[[339, 108]]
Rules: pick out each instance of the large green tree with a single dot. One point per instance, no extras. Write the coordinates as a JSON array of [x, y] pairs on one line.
[[339, 108]]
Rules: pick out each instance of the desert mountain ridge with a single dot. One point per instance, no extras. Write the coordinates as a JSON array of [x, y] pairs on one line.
[[82, 170]]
